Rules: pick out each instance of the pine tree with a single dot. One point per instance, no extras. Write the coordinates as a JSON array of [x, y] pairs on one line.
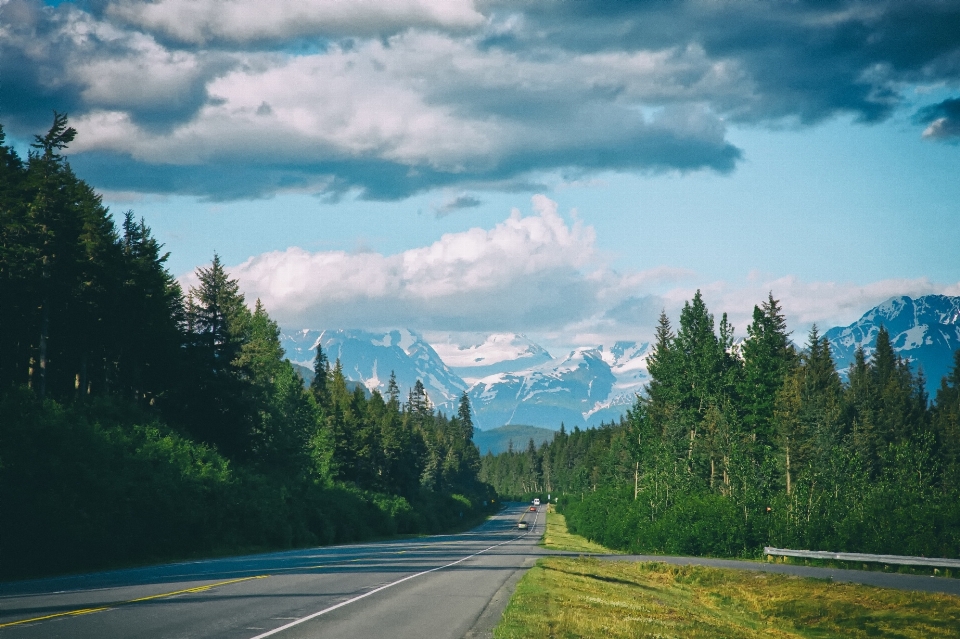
[[663, 388], [861, 409], [808, 412], [767, 359], [393, 392], [219, 318], [55, 230], [466, 421], [321, 373], [218, 401], [946, 421]]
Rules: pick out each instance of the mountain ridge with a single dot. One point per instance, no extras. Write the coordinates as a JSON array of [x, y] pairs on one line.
[[511, 380]]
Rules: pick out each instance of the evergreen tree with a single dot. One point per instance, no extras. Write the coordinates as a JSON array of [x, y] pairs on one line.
[[946, 421], [321, 373], [663, 388], [466, 421], [218, 402], [767, 359], [393, 391]]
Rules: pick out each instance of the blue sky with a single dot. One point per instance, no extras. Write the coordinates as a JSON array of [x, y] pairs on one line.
[[357, 165]]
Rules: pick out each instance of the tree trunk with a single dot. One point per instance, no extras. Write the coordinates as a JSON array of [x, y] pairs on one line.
[[84, 379], [788, 469], [44, 335]]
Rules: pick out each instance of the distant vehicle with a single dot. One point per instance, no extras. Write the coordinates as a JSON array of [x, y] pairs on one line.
[[536, 502], [533, 508], [522, 525]]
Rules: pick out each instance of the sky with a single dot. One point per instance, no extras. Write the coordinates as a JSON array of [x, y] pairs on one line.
[[560, 169]]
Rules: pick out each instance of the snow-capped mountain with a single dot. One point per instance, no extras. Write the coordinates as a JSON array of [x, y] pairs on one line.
[[925, 331], [588, 386], [496, 353], [370, 357], [510, 379]]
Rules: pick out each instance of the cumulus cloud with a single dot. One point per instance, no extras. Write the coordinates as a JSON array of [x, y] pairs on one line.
[[539, 274], [526, 271], [245, 98], [804, 303], [200, 22]]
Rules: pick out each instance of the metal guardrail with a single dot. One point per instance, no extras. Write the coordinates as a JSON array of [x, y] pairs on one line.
[[902, 560]]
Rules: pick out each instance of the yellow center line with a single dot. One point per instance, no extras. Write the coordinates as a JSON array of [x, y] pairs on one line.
[[86, 611]]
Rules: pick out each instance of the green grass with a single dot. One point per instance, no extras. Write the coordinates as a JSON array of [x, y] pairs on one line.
[[585, 597], [558, 537]]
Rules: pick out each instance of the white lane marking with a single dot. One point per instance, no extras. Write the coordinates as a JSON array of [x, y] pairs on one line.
[[399, 581]]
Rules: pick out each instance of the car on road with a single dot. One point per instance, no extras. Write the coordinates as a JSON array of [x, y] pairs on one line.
[[522, 525], [536, 502], [533, 509]]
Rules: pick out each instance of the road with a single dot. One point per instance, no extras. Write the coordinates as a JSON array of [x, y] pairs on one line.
[[441, 586], [434, 587]]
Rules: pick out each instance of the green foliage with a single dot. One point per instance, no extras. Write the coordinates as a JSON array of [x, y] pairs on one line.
[[139, 423], [731, 450]]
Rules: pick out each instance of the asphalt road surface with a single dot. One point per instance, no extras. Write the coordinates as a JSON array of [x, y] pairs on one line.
[[434, 587], [442, 586]]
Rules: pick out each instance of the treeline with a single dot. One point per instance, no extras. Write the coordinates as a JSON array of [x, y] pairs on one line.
[[139, 421], [572, 461], [739, 445]]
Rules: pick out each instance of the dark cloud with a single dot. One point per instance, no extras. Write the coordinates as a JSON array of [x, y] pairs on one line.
[[457, 203], [943, 120], [806, 59], [33, 79], [377, 179], [451, 100], [60, 58]]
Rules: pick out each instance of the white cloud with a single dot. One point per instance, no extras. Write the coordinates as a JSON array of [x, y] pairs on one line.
[[200, 22], [438, 108], [394, 97], [804, 303], [407, 102], [524, 271], [540, 275]]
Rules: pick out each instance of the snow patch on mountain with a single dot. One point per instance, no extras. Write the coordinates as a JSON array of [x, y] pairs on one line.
[[495, 353], [369, 358], [588, 386], [925, 331]]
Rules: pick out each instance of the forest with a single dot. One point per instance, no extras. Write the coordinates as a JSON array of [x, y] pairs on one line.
[[740, 444], [141, 422]]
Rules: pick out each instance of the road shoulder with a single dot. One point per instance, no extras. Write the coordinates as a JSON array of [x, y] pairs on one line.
[[491, 615]]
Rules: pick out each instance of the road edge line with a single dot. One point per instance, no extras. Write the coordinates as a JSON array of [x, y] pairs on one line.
[[297, 622]]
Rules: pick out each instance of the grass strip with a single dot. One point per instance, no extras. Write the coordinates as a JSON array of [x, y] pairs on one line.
[[557, 537], [585, 597]]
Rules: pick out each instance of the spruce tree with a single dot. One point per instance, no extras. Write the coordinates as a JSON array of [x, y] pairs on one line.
[[218, 401], [466, 421], [219, 318], [946, 421], [768, 357], [663, 388], [393, 392], [321, 372]]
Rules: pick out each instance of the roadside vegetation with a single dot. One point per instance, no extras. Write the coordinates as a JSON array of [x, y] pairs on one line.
[[141, 422], [738, 445], [584, 597], [557, 537]]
